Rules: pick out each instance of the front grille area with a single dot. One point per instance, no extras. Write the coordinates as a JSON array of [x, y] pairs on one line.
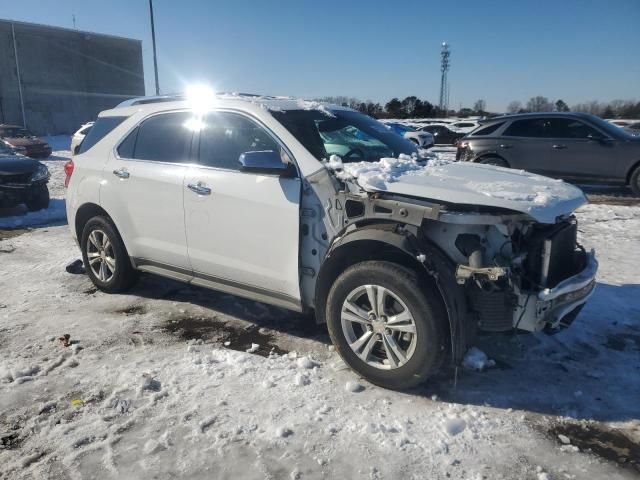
[[494, 309], [20, 178]]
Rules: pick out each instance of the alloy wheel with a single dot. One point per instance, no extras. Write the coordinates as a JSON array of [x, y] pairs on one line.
[[378, 327], [101, 255]]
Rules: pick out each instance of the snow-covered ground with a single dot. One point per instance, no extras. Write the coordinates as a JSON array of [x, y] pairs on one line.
[[157, 383]]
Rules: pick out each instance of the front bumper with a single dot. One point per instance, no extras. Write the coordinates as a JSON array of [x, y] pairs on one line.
[[555, 308]]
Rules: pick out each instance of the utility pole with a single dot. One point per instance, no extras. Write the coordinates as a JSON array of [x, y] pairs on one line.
[[153, 39], [444, 83]]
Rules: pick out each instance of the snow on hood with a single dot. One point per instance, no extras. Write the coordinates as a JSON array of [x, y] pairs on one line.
[[466, 183]]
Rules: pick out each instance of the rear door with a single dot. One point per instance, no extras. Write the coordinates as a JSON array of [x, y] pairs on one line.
[[143, 190], [527, 144], [242, 228]]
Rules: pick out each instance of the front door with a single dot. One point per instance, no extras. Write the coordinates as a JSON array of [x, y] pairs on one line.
[[143, 190], [242, 228]]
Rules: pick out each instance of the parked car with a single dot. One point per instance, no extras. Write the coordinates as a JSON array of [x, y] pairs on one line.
[[620, 123], [633, 129], [242, 196], [574, 146], [22, 181], [421, 139], [465, 126], [442, 134], [22, 141], [78, 137]]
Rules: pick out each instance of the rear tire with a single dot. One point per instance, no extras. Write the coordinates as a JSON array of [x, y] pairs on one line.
[[39, 199], [634, 182], [420, 337], [105, 257], [496, 161]]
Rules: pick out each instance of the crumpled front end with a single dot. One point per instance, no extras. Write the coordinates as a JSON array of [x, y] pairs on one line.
[[523, 276]]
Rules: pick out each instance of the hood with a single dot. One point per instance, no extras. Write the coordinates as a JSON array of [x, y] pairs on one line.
[[17, 166], [24, 142], [464, 183]]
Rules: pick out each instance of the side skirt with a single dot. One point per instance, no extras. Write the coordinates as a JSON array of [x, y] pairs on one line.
[[220, 284]]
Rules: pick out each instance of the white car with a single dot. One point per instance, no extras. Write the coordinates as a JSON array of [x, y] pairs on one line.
[[465, 126], [78, 137], [403, 257], [421, 139]]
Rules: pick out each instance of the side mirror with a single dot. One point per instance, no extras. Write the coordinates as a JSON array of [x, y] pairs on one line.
[[264, 161]]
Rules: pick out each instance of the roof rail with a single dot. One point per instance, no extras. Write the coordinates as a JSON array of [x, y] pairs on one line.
[[151, 99]]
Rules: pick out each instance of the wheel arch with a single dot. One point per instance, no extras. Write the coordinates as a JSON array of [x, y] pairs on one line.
[[85, 213], [390, 243], [490, 155], [633, 168]]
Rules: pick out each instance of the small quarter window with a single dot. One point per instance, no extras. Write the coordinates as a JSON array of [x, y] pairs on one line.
[[488, 130], [100, 129]]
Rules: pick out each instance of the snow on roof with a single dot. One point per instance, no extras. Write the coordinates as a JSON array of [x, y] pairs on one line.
[[269, 102]]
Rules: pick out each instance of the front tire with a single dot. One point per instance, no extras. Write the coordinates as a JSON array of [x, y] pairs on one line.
[[387, 324], [105, 257], [39, 199], [496, 161], [634, 182]]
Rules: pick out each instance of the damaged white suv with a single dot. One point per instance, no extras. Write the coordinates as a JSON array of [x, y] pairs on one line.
[[405, 257]]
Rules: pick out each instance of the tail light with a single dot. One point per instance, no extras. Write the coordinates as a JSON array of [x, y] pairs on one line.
[[68, 170], [462, 146]]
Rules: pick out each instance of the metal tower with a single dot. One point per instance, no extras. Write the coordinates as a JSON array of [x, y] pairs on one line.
[[444, 83]]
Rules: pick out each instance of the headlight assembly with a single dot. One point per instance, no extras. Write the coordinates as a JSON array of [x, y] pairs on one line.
[[42, 173]]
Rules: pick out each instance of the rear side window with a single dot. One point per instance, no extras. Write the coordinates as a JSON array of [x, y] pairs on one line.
[[163, 138], [488, 130], [225, 136], [536, 127], [99, 130]]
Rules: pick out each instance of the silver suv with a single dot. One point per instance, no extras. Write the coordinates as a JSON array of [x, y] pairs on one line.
[[573, 146]]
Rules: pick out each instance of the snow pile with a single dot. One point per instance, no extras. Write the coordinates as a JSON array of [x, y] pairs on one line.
[[476, 359], [544, 194], [387, 170]]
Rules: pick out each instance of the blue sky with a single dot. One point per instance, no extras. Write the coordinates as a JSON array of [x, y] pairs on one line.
[[577, 50]]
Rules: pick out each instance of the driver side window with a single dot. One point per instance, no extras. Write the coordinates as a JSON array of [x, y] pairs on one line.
[[224, 136]]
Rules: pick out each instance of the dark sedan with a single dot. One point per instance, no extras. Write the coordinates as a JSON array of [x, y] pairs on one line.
[[22, 141], [443, 135], [577, 147], [22, 180]]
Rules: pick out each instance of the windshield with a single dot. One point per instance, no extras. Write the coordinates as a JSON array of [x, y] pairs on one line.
[[15, 132], [351, 135]]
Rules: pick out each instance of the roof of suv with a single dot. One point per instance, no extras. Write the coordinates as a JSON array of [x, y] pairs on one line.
[[521, 116]]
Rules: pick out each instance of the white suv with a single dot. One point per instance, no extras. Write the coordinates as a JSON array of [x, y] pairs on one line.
[[404, 257]]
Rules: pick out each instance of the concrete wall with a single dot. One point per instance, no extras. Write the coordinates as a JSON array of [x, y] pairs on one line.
[[67, 76]]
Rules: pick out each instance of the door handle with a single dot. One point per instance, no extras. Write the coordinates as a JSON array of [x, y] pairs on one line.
[[505, 146], [200, 188], [121, 173], [559, 147]]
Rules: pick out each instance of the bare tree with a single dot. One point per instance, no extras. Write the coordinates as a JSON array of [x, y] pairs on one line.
[[514, 107], [480, 106], [539, 104]]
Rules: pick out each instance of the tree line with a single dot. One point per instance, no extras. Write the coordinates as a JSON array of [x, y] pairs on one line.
[[414, 107]]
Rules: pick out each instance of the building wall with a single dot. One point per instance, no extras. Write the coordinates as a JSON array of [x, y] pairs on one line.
[[67, 76]]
